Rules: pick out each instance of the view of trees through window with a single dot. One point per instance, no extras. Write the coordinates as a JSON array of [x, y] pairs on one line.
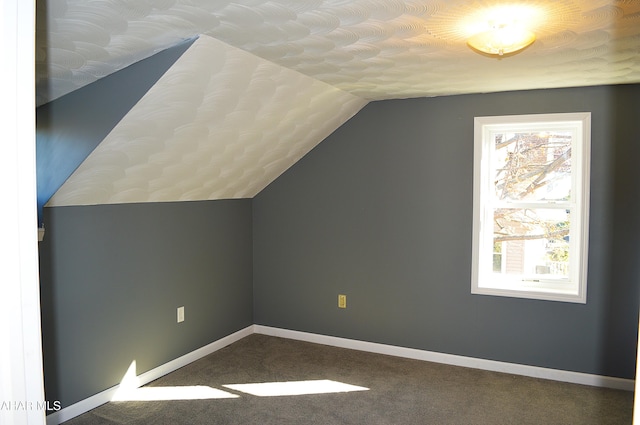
[[531, 203]]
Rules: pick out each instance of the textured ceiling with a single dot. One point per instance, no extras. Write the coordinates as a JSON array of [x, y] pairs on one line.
[[376, 49], [268, 80], [220, 124]]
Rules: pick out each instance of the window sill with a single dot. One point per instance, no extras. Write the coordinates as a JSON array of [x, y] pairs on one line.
[[546, 294]]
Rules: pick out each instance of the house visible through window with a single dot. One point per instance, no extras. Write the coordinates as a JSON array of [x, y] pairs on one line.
[[531, 198]]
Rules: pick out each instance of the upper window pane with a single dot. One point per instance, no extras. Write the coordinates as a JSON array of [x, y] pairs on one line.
[[532, 166]]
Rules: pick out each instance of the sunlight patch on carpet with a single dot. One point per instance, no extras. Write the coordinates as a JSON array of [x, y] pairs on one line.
[[130, 389], [191, 392], [273, 389]]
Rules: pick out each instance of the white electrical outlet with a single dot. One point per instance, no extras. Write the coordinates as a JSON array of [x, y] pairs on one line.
[[180, 314]]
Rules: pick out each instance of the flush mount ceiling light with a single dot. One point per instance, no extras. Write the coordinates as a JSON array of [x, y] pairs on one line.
[[502, 38], [503, 29], [499, 28]]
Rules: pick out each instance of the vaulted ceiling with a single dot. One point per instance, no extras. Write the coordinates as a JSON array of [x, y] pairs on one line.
[[266, 80]]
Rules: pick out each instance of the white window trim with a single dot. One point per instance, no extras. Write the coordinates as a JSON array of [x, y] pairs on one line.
[[580, 231]]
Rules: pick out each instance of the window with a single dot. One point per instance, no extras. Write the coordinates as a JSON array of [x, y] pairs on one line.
[[531, 199]]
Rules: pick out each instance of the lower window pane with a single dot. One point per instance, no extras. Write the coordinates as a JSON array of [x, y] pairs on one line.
[[533, 243]]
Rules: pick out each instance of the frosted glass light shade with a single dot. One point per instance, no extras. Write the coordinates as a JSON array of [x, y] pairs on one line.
[[502, 40]]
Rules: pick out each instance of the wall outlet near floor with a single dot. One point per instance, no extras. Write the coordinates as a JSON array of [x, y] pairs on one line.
[[342, 301], [180, 314]]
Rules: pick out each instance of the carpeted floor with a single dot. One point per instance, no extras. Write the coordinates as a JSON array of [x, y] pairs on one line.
[[400, 391]]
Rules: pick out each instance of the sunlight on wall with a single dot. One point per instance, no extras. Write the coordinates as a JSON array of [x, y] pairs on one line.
[[130, 380], [272, 389]]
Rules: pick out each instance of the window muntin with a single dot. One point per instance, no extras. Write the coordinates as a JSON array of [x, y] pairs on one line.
[[531, 206]]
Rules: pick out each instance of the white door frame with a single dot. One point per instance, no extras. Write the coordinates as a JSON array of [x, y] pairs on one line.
[[21, 375]]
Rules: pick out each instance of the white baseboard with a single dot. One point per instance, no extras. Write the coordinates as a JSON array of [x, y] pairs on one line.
[[451, 359], [105, 396]]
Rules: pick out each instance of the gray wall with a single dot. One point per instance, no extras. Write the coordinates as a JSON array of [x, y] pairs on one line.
[[112, 277], [382, 211]]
